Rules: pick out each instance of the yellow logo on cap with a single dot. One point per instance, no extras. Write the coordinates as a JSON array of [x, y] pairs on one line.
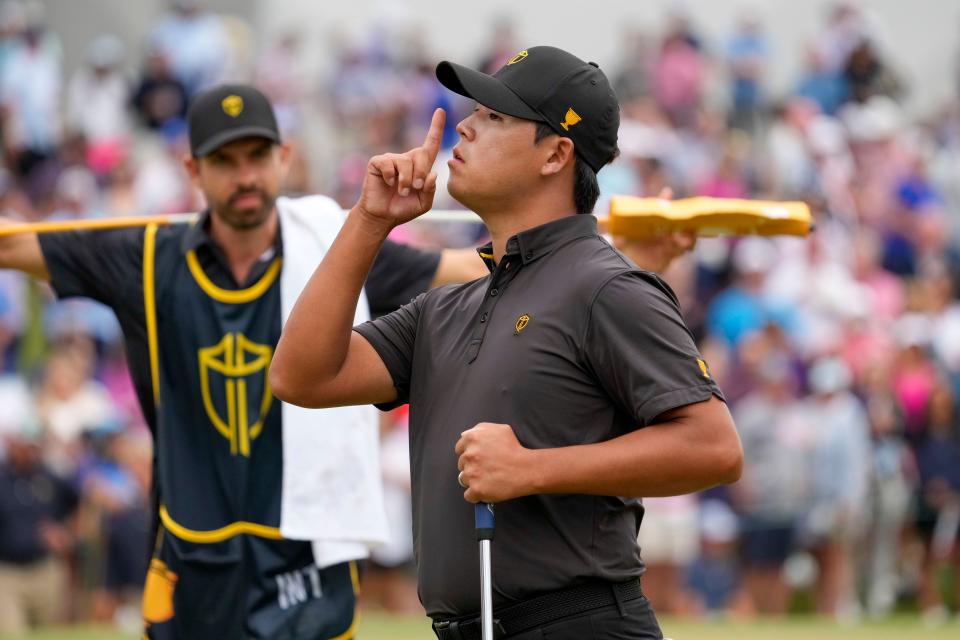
[[570, 119], [703, 368], [522, 323], [517, 58], [232, 105]]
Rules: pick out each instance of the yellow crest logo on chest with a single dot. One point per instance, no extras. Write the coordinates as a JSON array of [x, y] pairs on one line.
[[232, 105], [517, 58], [570, 119], [522, 323]]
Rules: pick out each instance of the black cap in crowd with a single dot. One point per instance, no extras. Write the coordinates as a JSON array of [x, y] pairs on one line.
[[227, 113], [548, 85]]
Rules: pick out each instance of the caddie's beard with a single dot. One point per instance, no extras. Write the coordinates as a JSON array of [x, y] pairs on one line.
[[245, 218]]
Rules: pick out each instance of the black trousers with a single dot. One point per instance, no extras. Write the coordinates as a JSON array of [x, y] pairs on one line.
[[632, 620]]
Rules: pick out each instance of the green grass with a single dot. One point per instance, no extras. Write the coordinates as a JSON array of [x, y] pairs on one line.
[[379, 626]]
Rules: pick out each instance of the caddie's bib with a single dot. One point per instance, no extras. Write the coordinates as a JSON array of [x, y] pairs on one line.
[[218, 425]]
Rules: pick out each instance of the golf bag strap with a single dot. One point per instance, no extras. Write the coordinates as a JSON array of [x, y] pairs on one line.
[[541, 610]]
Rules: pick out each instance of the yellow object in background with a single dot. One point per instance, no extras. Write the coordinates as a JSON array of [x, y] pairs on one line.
[[634, 217], [158, 592]]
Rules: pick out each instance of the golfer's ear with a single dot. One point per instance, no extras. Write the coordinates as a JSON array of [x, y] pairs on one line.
[[561, 155]]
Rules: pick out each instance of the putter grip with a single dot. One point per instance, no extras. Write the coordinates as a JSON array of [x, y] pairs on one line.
[[483, 520]]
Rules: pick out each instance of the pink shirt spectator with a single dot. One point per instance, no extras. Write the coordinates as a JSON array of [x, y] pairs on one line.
[[913, 385], [678, 76]]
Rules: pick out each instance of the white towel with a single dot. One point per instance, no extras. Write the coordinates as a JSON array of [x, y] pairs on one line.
[[332, 493]]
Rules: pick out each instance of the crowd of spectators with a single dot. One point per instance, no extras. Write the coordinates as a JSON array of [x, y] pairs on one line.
[[839, 354]]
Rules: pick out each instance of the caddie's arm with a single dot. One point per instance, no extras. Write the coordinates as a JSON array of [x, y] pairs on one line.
[[22, 252], [457, 266], [656, 253], [320, 361]]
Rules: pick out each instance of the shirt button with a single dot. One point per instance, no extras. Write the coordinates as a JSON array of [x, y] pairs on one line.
[[493, 293], [483, 318], [529, 255]]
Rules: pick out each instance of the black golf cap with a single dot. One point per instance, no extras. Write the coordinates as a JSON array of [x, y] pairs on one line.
[[548, 85], [227, 113]]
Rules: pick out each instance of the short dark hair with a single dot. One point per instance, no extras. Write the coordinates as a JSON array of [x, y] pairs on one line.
[[586, 190]]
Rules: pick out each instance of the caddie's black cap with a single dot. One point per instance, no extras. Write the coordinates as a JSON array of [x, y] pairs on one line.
[[548, 85], [227, 113]]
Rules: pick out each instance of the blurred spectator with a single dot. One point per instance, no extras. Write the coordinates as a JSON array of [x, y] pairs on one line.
[[30, 93], [945, 326], [35, 535], [748, 52], [97, 100], [818, 83], [938, 518], [161, 184], [119, 197], [743, 309], [867, 75], [194, 41], [773, 491], [914, 376], [889, 495], [280, 76], [678, 74], [844, 29], [727, 180], [502, 46], [19, 410], [632, 80], [790, 169], [885, 292], [159, 98], [669, 543], [715, 575], [116, 489], [70, 402], [838, 469]]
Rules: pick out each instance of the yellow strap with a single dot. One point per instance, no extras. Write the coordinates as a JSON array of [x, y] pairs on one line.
[[217, 535], [150, 306], [95, 224], [229, 296]]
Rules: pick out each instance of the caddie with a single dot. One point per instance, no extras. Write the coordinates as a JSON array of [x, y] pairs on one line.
[[263, 508]]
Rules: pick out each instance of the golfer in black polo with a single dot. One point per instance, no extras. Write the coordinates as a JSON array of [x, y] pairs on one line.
[[562, 387]]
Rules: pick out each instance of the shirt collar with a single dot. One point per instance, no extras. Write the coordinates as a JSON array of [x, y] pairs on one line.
[[539, 241], [198, 235]]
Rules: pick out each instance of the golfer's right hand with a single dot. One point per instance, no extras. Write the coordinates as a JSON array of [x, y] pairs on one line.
[[399, 187]]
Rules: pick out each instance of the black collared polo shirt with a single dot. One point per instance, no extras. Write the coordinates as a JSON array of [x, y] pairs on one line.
[[567, 342]]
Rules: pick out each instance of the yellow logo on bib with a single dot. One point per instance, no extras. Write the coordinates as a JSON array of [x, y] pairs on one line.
[[239, 363]]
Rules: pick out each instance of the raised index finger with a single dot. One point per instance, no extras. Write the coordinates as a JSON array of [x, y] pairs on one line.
[[431, 144]]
